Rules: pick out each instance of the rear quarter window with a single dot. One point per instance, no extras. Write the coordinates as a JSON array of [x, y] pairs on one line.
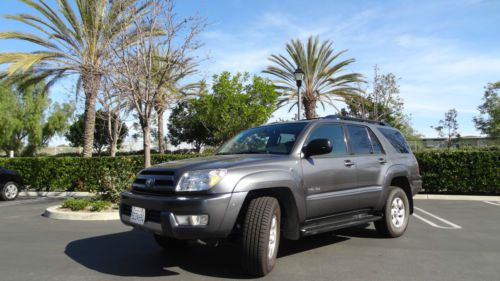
[[396, 139]]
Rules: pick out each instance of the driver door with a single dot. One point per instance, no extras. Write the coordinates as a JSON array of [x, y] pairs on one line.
[[329, 179]]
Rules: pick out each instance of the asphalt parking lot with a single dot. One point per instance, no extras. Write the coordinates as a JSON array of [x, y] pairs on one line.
[[446, 240]]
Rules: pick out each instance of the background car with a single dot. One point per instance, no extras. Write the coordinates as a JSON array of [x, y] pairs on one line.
[[10, 184]]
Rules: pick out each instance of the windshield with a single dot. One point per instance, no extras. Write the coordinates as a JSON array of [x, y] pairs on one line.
[[273, 139]]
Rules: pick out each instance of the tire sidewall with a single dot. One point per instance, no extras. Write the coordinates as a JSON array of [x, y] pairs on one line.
[[271, 262], [397, 231], [3, 194]]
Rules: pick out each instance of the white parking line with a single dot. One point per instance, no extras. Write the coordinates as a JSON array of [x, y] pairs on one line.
[[451, 225], [492, 203]]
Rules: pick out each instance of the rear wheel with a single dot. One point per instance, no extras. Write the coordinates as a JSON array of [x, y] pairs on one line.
[[9, 191], [396, 214], [168, 243], [261, 236]]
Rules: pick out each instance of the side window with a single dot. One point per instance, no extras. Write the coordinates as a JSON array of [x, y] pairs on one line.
[[286, 138], [396, 139], [360, 142], [377, 147], [334, 133]]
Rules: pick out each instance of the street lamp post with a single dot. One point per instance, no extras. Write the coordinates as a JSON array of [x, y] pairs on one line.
[[299, 76]]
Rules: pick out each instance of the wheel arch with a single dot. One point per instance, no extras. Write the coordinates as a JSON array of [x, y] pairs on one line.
[[289, 212], [397, 175]]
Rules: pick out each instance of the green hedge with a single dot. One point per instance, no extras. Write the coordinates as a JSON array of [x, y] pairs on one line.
[[453, 171], [83, 174], [460, 171]]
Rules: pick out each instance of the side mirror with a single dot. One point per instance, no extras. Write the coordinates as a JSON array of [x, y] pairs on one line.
[[317, 147]]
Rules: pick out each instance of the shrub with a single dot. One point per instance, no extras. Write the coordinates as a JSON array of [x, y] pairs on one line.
[[99, 205], [110, 175], [443, 171], [76, 204], [460, 171]]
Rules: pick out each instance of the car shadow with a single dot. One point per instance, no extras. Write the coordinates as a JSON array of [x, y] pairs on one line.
[[134, 253]]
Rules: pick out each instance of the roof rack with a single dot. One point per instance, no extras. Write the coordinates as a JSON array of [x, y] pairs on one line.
[[347, 118]]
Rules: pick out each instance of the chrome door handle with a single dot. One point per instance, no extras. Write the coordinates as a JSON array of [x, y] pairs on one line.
[[382, 160], [348, 163]]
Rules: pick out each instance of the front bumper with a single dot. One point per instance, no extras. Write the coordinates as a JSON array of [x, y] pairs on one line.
[[222, 209]]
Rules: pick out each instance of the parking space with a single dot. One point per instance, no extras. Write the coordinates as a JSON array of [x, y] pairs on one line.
[[446, 240]]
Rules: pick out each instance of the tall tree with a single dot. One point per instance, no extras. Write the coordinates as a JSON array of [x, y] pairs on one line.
[[76, 38], [324, 75], [102, 139], [488, 122], [237, 102], [186, 126], [172, 92], [382, 102], [158, 32], [116, 108], [448, 127], [28, 120]]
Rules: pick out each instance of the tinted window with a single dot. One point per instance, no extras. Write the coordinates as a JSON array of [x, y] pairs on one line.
[[334, 133], [396, 139], [274, 139], [377, 147], [360, 142]]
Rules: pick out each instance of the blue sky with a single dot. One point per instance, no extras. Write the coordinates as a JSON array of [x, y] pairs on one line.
[[444, 52]]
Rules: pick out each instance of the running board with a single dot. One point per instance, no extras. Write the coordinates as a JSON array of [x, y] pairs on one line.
[[336, 223]]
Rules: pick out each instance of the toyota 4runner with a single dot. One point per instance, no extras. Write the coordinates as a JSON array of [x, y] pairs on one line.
[[286, 180]]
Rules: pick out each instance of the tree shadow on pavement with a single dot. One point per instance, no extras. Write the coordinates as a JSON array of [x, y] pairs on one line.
[[135, 253]]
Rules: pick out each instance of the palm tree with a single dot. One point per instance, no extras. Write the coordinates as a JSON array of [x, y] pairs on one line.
[[323, 82], [174, 70], [74, 41]]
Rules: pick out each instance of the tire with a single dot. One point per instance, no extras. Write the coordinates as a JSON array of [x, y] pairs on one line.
[[261, 227], [9, 191], [169, 244], [396, 214]]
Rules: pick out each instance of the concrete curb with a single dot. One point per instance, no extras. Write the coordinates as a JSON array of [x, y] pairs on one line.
[[456, 197], [55, 213], [55, 194]]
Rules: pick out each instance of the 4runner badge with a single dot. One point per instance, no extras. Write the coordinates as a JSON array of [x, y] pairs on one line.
[[150, 183]]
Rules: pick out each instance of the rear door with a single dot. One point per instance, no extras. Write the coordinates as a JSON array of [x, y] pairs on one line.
[[329, 179], [369, 159]]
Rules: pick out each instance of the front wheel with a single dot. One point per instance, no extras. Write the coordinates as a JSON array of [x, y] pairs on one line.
[[396, 214], [261, 236], [9, 191]]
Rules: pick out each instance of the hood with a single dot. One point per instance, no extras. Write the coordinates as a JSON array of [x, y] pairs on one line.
[[214, 162]]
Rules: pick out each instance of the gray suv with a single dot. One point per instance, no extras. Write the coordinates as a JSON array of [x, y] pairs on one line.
[[286, 180]]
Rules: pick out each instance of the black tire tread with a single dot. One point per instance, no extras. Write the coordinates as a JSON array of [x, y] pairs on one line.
[[255, 234]]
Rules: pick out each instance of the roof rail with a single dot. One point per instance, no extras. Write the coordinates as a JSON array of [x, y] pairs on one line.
[[347, 118]]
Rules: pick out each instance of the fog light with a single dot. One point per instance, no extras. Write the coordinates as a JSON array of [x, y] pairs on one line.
[[192, 220]]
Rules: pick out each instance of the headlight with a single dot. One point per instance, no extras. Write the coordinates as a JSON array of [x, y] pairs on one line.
[[200, 180]]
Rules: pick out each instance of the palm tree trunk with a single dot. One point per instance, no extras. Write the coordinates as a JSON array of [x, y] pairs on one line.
[[161, 141], [309, 108], [146, 131], [91, 89]]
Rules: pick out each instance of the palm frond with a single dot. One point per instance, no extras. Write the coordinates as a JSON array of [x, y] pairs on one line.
[[323, 73]]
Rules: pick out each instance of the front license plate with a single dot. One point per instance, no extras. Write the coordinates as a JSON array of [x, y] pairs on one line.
[[138, 215]]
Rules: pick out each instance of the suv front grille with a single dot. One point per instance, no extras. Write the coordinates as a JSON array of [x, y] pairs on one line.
[[154, 182]]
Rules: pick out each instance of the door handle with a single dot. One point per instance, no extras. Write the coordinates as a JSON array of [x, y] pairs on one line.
[[348, 163], [382, 160]]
